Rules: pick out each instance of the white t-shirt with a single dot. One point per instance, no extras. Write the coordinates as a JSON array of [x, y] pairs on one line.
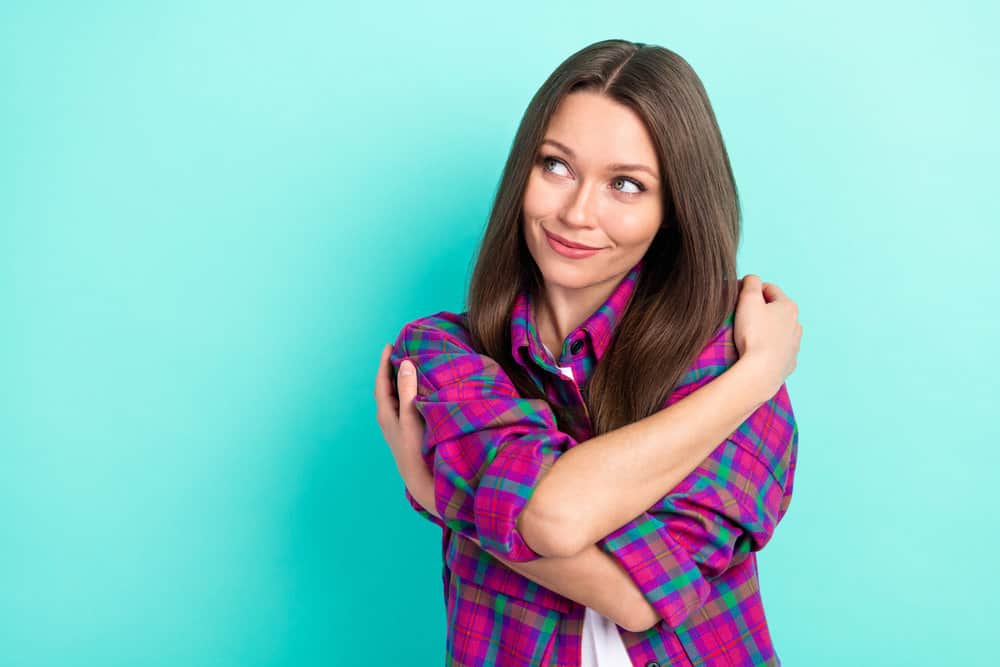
[[602, 645]]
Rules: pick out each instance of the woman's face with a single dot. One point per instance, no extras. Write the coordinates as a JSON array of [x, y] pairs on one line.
[[595, 182]]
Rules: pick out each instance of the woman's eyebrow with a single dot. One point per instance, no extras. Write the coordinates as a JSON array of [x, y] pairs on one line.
[[612, 167]]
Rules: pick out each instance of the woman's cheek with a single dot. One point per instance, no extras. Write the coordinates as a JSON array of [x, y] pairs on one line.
[[635, 227]]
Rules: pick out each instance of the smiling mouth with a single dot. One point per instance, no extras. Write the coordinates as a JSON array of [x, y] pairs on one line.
[[567, 243], [568, 251]]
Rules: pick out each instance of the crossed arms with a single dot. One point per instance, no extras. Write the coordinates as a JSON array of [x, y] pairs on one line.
[[499, 474]]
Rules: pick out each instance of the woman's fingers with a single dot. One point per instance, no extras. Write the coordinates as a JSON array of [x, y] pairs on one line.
[[386, 403], [774, 293], [750, 288], [407, 383]]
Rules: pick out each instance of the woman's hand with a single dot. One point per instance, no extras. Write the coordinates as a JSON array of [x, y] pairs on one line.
[[766, 330], [402, 425]]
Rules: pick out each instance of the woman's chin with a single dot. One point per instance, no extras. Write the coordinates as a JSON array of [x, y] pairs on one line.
[[557, 273]]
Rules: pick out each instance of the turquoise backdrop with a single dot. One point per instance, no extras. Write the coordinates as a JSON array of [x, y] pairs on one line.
[[214, 214]]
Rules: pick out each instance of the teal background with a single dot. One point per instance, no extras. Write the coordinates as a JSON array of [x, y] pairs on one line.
[[213, 215]]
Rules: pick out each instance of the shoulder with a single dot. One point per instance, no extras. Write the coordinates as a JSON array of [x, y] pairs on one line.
[[770, 433], [440, 347], [718, 354], [443, 325], [437, 332]]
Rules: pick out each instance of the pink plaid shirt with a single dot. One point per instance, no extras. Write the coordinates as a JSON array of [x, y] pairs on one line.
[[692, 553]]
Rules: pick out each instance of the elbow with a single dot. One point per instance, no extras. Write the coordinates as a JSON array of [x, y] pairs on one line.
[[638, 614], [640, 617], [546, 535]]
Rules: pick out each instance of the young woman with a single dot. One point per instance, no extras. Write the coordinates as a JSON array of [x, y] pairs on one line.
[[604, 435]]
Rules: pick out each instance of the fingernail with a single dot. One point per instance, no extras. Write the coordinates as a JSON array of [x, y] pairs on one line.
[[406, 368]]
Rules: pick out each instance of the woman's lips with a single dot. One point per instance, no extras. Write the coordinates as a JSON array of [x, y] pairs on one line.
[[567, 251]]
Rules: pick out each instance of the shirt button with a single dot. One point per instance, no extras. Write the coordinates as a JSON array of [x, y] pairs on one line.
[[574, 348], [652, 663]]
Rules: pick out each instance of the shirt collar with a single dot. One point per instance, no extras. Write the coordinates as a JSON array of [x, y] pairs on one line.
[[599, 326]]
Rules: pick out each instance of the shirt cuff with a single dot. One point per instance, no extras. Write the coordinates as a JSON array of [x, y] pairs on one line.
[[503, 491], [661, 567]]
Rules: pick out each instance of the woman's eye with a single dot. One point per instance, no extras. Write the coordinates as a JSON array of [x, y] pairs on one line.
[[547, 160], [629, 181]]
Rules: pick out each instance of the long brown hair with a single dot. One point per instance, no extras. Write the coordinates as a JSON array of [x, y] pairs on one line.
[[688, 283]]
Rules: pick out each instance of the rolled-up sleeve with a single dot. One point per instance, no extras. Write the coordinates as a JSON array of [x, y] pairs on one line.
[[487, 446], [726, 508]]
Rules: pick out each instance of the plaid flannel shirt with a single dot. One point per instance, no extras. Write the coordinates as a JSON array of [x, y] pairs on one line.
[[692, 554]]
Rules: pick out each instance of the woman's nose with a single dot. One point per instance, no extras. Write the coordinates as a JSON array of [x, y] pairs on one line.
[[578, 209]]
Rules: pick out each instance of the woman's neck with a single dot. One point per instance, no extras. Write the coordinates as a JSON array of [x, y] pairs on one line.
[[558, 311]]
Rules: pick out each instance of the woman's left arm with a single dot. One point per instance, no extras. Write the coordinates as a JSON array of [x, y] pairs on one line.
[[590, 577]]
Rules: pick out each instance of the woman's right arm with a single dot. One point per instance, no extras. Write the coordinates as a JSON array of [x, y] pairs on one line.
[[602, 483]]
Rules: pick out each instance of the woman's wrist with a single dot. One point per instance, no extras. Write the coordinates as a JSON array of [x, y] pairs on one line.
[[410, 466], [420, 482], [756, 378]]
